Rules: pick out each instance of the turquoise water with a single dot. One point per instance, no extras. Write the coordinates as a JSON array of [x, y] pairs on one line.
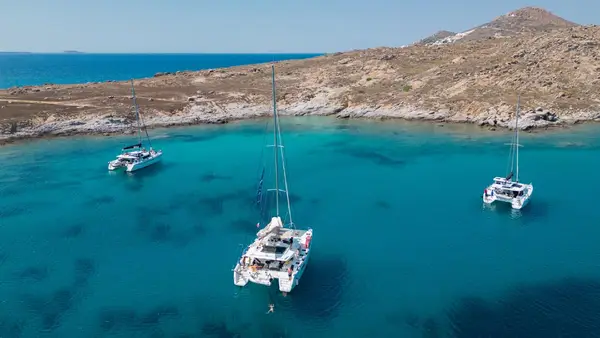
[[402, 244], [38, 69]]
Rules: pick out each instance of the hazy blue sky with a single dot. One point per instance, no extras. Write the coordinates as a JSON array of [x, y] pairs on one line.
[[248, 25]]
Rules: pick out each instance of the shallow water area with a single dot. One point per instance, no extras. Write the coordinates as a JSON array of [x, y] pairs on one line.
[[402, 244]]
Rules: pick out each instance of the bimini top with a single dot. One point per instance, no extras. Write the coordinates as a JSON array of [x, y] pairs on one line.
[[138, 145], [503, 183]]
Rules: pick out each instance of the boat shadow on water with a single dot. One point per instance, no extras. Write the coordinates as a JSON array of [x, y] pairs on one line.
[[320, 291]]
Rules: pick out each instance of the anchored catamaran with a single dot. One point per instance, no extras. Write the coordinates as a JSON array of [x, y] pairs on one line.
[[135, 157], [280, 251], [504, 189]]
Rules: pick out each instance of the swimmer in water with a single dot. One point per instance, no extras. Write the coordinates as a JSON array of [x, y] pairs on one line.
[[271, 308]]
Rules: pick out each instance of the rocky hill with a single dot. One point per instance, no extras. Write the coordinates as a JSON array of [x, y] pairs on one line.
[[557, 73], [524, 20]]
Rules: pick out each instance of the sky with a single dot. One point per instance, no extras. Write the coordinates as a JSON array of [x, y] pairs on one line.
[[249, 26]]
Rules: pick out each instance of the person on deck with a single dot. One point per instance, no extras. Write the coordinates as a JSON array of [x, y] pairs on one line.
[[271, 308]]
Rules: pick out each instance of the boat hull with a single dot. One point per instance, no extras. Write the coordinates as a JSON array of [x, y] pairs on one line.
[[516, 203], [113, 166], [288, 287], [146, 163], [238, 277]]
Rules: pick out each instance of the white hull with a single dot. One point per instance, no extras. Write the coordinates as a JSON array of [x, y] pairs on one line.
[[139, 164], [518, 202], [288, 286], [145, 163], [114, 166]]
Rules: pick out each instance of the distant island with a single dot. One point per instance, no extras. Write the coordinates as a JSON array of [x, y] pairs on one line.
[[73, 52], [2, 52]]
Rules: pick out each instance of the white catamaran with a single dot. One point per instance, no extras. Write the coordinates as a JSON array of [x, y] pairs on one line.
[[280, 251], [135, 157], [504, 189]]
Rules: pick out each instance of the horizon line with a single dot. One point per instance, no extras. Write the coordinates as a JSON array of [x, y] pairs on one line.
[[171, 53]]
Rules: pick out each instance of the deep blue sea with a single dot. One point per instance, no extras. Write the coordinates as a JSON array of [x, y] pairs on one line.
[[402, 245], [38, 69]]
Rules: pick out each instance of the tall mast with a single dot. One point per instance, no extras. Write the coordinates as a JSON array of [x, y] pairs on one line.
[[137, 113], [275, 143], [517, 135]]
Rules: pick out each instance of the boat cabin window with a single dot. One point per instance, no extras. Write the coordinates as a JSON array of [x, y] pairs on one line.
[[274, 249]]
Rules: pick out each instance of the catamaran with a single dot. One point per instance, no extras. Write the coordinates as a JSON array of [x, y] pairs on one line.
[[504, 189], [279, 251], [135, 157]]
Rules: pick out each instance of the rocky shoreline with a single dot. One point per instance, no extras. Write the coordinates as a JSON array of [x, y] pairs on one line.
[[108, 124]]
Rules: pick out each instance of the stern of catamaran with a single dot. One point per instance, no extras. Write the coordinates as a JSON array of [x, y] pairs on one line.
[[238, 276], [488, 195]]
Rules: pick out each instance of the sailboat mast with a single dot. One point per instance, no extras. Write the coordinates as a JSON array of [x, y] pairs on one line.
[[275, 143], [137, 113], [517, 135]]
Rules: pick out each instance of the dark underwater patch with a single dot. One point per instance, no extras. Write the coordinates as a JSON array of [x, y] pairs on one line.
[[123, 318], [218, 329], [85, 268], [375, 157], [60, 185], [199, 229], [431, 329], [337, 144], [383, 205], [10, 191], [213, 205], [51, 309], [207, 178], [8, 211], [73, 231], [99, 200], [189, 138], [345, 127], [10, 328], [244, 226], [160, 232], [155, 315], [33, 273], [117, 319], [568, 308], [294, 198], [134, 186]]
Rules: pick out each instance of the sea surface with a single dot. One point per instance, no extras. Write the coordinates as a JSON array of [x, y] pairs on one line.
[[38, 69], [402, 245]]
